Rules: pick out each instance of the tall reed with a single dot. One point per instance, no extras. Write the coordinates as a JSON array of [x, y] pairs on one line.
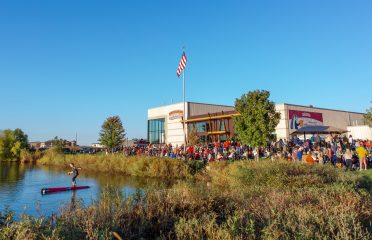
[[142, 166]]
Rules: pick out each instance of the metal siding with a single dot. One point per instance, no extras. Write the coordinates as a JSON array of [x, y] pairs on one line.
[[196, 109]]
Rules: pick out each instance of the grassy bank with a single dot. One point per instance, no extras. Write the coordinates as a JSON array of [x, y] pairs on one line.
[[141, 166], [240, 200]]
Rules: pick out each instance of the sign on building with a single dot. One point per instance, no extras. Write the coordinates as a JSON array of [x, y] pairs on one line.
[[299, 119], [176, 114]]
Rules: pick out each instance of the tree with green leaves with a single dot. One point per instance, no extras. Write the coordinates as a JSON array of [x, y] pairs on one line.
[[22, 138], [6, 144], [12, 143], [258, 119], [368, 116], [112, 134], [58, 144]]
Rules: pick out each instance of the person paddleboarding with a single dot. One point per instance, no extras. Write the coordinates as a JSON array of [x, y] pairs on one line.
[[75, 173]]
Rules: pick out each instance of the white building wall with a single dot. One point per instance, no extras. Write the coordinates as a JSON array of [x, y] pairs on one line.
[[360, 132], [282, 129], [173, 127]]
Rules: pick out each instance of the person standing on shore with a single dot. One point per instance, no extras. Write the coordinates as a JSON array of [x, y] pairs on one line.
[[348, 159], [300, 153], [351, 142], [74, 173], [256, 153], [362, 154]]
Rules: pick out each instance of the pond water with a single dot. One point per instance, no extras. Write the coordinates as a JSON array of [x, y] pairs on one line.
[[21, 184]]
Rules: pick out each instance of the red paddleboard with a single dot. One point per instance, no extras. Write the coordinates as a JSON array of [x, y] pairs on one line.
[[61, 189]]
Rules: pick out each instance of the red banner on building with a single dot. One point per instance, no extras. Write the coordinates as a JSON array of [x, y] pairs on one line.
[[299, 119]]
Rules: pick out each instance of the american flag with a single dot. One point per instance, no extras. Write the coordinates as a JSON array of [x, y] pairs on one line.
[[182, 64]]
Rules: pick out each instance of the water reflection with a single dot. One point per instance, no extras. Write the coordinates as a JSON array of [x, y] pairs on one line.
[[20, 186], [73, 200], [11, 173]]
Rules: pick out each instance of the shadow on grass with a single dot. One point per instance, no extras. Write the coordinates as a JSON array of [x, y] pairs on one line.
[[365, 182]]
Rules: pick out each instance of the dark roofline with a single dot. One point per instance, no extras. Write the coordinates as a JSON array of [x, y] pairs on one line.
[[192, 102], [288, 104]]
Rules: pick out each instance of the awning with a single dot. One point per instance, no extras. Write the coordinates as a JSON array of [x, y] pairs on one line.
[[319, 130]]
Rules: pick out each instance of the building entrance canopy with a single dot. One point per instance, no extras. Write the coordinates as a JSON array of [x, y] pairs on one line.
[[319, 130]]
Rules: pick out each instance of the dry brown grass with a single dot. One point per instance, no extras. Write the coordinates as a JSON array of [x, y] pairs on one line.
[[240, 200], [141, 166]]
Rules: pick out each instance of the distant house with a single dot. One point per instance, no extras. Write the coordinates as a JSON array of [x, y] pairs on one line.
[[129, 143], [49, 144], [70, 143], [35, 145]]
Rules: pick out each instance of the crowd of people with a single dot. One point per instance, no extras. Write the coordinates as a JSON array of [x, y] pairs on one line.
[[339, 151]]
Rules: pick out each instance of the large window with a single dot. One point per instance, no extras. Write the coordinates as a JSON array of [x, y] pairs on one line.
[[223, 137], [200, 127], [205, 139], [155, 131]]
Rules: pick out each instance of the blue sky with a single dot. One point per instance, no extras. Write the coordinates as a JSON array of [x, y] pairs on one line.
[[65, 66]]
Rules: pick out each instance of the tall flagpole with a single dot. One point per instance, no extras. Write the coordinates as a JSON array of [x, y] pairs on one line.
[[184, 105]]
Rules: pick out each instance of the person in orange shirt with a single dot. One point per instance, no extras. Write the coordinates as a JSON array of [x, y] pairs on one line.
[[311, 158]]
